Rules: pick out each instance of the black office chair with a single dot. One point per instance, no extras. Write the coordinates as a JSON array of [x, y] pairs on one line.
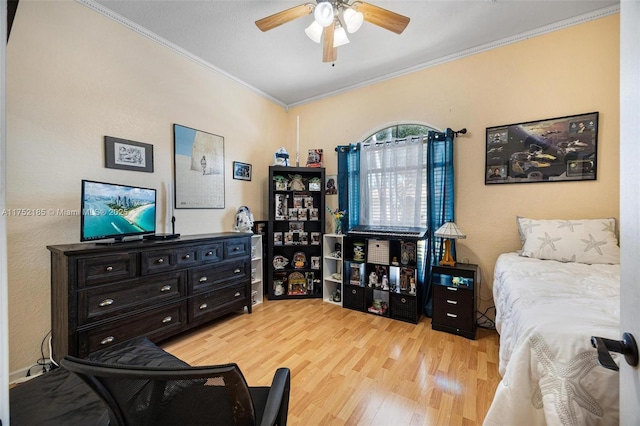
[[213, 395]]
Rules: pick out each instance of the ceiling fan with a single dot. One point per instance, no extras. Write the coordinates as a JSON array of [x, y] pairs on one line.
[[331, 19]]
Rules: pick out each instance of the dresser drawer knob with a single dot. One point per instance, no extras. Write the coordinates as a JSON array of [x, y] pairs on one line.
[[452, 288], [109, 268], [452, 302], [209, 253], [237, 294], [203, 279], [237, 271], [165, 288], [186, 256], [161, 260], [236, 248], [166, 319], [204, 306], [107, 340], [452, 315], [106, 302]]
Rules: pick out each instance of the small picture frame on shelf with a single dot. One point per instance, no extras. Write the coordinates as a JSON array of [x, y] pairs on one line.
[[315, 238], [277, 238], [313, 214]]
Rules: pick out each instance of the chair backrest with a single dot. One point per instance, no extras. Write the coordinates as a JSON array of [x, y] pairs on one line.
[[181, 395]]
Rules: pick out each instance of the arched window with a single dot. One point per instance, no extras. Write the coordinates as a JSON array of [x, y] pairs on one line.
[[393, 168]]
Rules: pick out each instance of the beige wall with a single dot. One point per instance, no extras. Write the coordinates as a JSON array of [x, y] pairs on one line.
[[74, 76], [567, 72]]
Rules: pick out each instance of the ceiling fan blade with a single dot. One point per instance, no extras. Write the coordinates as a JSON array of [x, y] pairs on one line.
[[382, 17], [277, 19], [329, 53]]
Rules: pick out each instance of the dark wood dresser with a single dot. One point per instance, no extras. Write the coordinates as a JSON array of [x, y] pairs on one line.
[[105, 294]]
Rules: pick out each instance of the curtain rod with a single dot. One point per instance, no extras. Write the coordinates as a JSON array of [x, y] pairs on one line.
[[455, 133]]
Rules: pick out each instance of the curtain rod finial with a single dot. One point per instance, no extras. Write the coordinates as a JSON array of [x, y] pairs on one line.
[[461, 131]]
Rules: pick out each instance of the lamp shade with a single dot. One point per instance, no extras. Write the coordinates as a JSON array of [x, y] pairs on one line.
[[340, 37], [324, 13], [314, 31], [450, 230], [352, 19]]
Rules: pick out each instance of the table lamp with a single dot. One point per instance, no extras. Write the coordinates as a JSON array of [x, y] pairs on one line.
[[449, 231]]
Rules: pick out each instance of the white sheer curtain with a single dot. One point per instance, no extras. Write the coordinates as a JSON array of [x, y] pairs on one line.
[[392, 179]]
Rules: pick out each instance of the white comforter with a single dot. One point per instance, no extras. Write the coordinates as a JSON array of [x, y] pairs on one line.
[[546, 313]]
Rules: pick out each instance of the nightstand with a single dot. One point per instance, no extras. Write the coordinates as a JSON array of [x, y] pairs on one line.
[[455, 299]]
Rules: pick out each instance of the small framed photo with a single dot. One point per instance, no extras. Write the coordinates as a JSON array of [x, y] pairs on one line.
[[241, 171], [128, 155]]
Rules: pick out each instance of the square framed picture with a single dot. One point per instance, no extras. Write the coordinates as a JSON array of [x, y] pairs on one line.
[[241, 171], [128, 155]]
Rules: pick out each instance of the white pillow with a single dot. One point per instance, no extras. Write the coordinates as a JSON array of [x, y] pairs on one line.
[[584, 241]]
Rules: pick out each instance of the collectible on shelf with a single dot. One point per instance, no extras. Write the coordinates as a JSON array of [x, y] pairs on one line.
[[303, 238], [315, 184], [356, 275], [315, 262], [308, 202], [278, 287], [296, 226], [288, 238], [281, 183], [277, 238], [302, 214], [280, 206], [281, 157], [244, 220], [314, 158], [373, 280], [378, 307], [299, 260], [406, 275], [296, 183], [408, 253], [297, 284], [315, 238], [280, 279], [280, 262], [293, 213], [313, 214], [358, 251]]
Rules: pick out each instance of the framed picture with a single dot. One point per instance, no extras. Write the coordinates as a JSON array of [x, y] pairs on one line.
[[199, 169], [241, 171], [551, 150], [331, 186], [127, 155]]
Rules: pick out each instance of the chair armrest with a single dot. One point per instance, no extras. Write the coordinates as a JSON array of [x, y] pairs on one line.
[[277, 406]]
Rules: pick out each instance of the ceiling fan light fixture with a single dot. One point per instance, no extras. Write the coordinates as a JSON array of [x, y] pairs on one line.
[[314, 31], [352, 19], [340, 36], [324, 13]]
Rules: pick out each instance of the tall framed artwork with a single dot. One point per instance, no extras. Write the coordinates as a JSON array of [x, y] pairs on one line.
[[553, 150], [198, 169]]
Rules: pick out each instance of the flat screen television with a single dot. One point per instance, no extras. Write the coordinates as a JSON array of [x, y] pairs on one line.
[[115, 211]]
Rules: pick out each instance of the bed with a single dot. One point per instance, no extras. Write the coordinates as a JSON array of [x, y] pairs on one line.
[[549, 302]]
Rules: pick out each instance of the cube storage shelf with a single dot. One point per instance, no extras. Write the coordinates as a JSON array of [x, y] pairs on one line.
[[380, 276], [332, 268], [295, 232]]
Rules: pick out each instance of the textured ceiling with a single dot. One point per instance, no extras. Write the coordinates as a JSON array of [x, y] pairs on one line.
[[287, 66]]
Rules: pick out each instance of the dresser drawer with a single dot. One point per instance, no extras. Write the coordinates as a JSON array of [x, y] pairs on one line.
[[208, 278], [236, 247], [210, 252], [109, 300], [153, 324], [453, 307], [105, 269], [213, 304], [155, 261]]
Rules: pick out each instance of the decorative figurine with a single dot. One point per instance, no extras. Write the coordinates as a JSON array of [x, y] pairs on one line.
[[412, 283], [299, 260], [281, 157], [385, 282], [373, 280], [279, 261], [296, 183], [244, 220], [281, 183]]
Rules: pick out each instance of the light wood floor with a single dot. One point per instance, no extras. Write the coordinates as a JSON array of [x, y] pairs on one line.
[[353, 368]]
